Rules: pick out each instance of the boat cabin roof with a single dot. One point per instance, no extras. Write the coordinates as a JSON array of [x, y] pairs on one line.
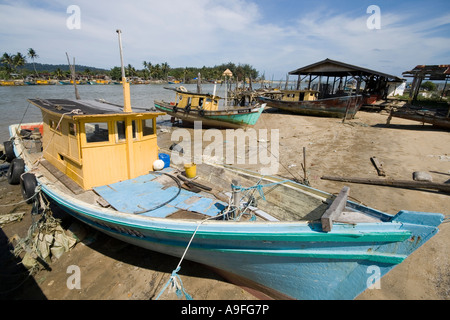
[[177, 90], [86, 108]]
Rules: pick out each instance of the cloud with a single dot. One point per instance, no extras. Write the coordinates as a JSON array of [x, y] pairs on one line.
[[210, 32]]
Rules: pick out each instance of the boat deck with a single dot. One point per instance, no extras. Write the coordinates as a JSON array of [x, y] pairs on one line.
[[159, 195], [138, 196]]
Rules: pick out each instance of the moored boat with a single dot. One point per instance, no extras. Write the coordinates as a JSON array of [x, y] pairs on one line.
[[306, 102], [190, 107]]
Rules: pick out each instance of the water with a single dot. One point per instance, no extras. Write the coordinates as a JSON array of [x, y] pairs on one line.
[[14, 107]]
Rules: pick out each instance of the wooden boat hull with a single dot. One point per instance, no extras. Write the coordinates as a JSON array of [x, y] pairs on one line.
[[233, 118], [332, 107], [285, 259], [436, 120]]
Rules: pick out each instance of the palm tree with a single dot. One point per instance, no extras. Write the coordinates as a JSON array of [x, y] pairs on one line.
[[18, 60], [7, 61], [33, 55], [59, 73], [165, 69]]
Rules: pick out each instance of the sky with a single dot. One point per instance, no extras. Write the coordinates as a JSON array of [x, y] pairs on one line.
[[273, 36]]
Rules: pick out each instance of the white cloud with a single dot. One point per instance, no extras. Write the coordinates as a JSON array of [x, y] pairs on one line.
[[209, 32]]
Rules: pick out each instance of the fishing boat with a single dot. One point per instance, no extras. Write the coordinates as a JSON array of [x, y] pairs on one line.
[[99, 163], [307, 102], [436, 117], [190, 107]]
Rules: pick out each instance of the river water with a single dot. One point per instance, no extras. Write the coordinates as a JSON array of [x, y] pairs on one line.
[[14, 107]]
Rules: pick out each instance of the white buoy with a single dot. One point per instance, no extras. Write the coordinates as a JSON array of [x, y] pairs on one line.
[[158, 165]]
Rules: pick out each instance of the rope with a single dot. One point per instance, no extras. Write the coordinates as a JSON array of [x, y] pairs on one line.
[[258, 187], [166, 202], [175, 279], [37, 190]]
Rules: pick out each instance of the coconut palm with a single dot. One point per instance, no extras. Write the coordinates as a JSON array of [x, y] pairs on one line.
[[7, 61], [58, 73], [33, 55], [165, 69]]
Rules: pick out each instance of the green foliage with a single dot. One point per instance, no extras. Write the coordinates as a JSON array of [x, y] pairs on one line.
[[17, 63], [429, 86]]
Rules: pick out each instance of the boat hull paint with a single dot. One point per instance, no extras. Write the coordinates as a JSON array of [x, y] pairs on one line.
[[232, 119], [331, 107], [294, 259]]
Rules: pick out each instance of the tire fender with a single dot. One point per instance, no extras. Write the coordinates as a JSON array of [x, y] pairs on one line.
[[15, 170], [28, 184]]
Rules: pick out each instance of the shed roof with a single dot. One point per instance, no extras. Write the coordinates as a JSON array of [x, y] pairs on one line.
[[431, 72], [335, 68]]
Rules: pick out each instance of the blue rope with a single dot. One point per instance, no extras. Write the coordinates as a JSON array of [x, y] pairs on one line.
[[258, 187], [179, 291]]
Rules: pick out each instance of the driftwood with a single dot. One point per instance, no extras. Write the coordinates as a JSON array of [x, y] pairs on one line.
[[443, 187], [378, 166]]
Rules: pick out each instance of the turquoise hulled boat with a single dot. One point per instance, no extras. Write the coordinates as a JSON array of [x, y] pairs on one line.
[[284, 247], [190, 107]]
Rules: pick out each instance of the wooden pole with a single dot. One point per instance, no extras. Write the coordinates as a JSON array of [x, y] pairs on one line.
[[72, 72], [443, 187], [125, 84]]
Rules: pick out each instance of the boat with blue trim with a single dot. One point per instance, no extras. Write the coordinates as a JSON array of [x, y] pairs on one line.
[[286, 240], [192, 106]]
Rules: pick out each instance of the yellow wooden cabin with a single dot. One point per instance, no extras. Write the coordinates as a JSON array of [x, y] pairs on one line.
[[299, 95], [196, 100], [96, 144]]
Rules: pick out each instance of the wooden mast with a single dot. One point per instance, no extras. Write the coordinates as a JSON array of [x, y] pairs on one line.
[[126, 85], [127, 109]]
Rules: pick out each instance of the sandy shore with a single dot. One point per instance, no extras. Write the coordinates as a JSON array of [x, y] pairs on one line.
[[114, 270]]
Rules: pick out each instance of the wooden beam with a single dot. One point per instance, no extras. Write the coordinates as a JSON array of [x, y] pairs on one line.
[[334, 210], [443, 187]]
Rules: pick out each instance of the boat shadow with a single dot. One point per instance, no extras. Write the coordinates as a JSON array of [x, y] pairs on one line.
[[135, 256], [414, 127], [15, 281]]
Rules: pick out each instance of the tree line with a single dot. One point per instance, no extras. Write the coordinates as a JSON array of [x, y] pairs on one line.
[[163, 71], [16, 65]]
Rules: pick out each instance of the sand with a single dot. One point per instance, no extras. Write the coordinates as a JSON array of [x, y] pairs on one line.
[[114, 270]]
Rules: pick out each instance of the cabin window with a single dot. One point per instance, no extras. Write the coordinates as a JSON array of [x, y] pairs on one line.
[[147, 127], [97, 132], [72, 129], [120, 127], [54, 125], [200, 102]]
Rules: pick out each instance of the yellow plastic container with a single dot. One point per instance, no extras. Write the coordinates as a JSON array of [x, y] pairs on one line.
[[191, 170]]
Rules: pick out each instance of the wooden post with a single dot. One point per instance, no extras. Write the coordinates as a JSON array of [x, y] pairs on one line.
[[334, 210], [72, 72], [125, 84]]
